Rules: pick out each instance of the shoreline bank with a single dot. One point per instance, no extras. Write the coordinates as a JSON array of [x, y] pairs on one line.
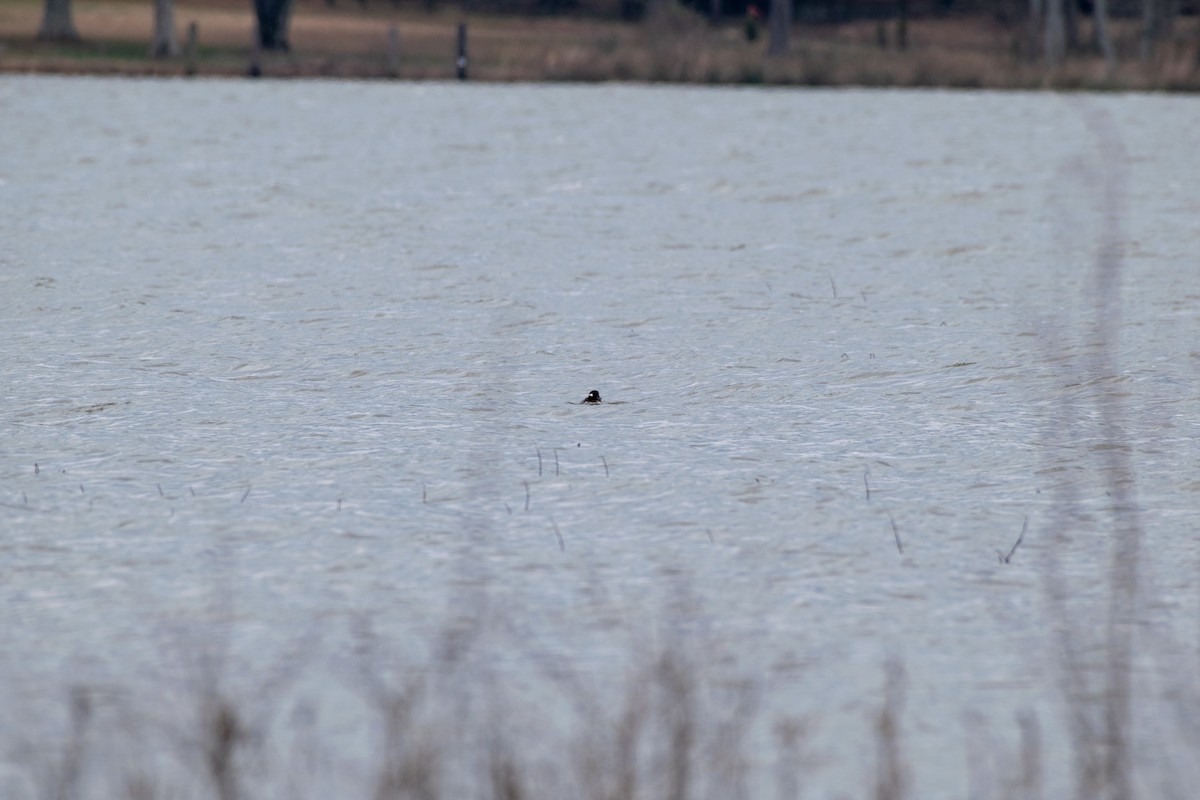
[[676, 46]]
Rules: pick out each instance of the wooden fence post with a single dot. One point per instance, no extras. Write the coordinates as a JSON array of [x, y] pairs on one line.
[[393, 52], [255, 70], [461, 62], [190, 49]]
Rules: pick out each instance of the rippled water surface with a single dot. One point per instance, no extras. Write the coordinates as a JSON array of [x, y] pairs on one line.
[[284, 362]]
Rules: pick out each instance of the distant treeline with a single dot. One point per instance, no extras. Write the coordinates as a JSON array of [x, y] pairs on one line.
[[816, 10], [802, 10]]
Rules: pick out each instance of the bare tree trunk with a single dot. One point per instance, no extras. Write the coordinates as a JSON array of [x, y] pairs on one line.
[[165, 43], [1149, 27], [781, 26], [1054, 42], [1103, 40], [1071, 25], [273, 23], [57, 25], [1170, 11], [1158, 23], [1037, 12]]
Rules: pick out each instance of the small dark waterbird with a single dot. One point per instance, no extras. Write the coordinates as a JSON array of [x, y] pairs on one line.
[[593, 397]]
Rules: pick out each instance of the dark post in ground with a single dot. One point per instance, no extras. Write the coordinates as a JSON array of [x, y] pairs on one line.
[[190, 49], [393, 52], [461, 62], [255, 70]]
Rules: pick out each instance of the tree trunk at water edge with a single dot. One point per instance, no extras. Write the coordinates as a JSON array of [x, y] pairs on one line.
[[780, 27], [1103, 40], [57, 25], [273, 17], [1054, 36], [165, 43]]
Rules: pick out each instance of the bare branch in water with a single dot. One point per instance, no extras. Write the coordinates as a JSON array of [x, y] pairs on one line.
[[1005, 559]]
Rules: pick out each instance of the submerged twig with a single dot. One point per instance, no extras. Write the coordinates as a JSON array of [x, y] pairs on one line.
[[896, 534], [526, 494], [246, 494], [604, 461], [1004, 559], [867, 483], [539, 452], [558, 533]]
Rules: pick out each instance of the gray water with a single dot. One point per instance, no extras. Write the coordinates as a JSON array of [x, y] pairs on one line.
[[284, 362]]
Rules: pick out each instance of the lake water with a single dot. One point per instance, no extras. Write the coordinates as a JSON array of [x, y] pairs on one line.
[[290, 374]]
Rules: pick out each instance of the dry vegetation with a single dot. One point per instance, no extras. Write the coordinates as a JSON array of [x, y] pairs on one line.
[[672, 44], [456, 727]]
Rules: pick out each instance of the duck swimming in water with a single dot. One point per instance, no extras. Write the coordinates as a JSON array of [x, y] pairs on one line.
[[593, 397]]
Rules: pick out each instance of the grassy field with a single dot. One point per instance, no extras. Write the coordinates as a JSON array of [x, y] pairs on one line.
[[351, 40]]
